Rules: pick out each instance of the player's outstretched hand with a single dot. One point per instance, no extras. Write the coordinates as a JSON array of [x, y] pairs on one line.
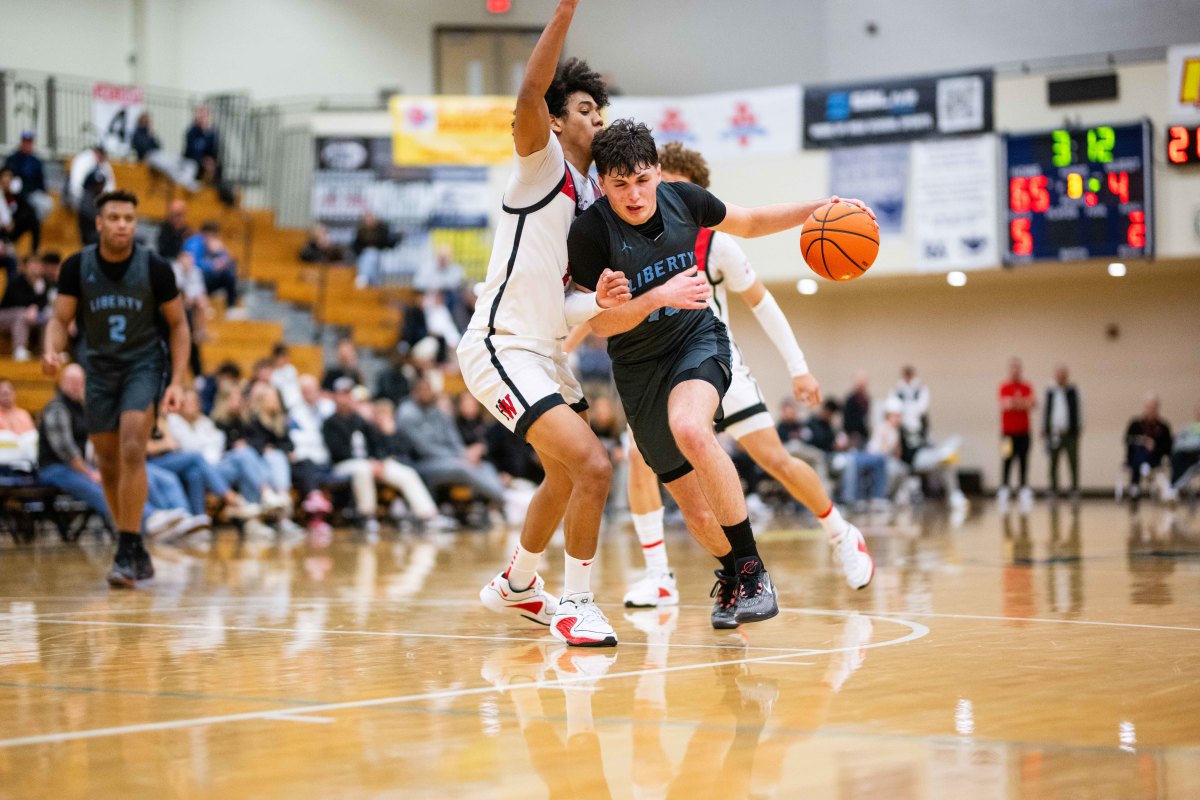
[[688, 290], [806, 390], [853, 202], [51, 364], [172, 398], [612, 289]]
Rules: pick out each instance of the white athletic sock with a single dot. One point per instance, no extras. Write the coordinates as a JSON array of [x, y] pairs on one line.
[[522, 569], [834, 523], [649, 529], [578, 575]]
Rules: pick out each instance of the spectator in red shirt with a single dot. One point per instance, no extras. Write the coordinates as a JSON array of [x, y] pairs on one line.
[[1016, 401]]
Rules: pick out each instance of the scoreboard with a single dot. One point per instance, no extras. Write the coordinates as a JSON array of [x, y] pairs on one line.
[[1079, 193]]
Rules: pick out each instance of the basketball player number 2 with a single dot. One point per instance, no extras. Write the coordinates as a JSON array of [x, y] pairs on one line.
[[116, 329]]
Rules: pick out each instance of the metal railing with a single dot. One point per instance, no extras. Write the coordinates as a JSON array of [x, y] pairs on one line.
[[58, 109]]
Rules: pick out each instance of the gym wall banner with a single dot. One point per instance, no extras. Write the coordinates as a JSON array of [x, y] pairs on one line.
[[1183, 83], [430, 131], [753, 122], [877, 174], [954, 204], [115, 112], [897, 110]]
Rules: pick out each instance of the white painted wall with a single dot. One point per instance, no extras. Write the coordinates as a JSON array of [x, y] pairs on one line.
[[281, 48], [931, 35]]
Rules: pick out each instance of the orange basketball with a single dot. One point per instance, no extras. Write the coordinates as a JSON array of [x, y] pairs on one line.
[[839, 241]]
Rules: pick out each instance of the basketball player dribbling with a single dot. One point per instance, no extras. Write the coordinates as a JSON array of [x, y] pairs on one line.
[[746, 417], [670, 353], [512, 357], [122, 296]]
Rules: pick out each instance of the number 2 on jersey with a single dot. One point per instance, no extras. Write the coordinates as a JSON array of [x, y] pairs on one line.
[[116, 328]]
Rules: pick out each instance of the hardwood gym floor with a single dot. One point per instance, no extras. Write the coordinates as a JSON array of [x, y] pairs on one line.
[[1053, 656]]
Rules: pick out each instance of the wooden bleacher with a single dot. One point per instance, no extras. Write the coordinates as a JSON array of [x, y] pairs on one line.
[[267, 254]]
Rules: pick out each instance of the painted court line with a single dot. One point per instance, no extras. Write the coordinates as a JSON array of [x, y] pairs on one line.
[[916, 631], [300, 718], [389, 634]]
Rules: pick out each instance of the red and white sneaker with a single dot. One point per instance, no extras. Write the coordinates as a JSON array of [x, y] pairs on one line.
[[533, 604], [519, 665], [580, 622], [653, 590], [850, 552]]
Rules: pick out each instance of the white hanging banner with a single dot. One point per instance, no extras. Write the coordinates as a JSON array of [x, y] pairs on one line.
[[746, 123], [1183, 83], [115, 112], [954, 208], [877, 175]]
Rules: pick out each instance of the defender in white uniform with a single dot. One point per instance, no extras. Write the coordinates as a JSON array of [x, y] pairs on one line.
[[746, 417], [511, 356]]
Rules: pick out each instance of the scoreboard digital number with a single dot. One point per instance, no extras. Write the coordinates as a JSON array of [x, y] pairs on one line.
[[1075, 194], [1183, 144]]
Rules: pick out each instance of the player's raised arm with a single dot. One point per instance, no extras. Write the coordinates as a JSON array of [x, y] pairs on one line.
[[750, 223], [531, 129]]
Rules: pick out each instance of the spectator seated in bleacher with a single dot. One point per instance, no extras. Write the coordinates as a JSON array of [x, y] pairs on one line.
[[91, 175], [319, 249], [23, 306], [370, 240], [345, 366], [442, 274], [199, 478], [1185, 456], [445, 459], [1148, 444], [856, 412], [17, 215], [222, 442], [311, 467], [216, 264], [174, 231], [201, 145], [18, 434], [358, 451], [267, 432], [392, 382], [244, 443], [149, 150], [27, 166], [195, 304], [284, 376], [915, 457], [62, 443]]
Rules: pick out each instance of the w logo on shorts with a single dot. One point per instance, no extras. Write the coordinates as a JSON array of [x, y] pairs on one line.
[[506, 407]]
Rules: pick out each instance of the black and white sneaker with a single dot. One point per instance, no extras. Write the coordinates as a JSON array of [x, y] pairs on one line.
[[756, 599], [724, 611], [123, 574], [143, 567]]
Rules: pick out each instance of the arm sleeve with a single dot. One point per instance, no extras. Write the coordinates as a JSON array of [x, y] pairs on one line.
[[68, 277], [706, 209], [770, 316], [587, 249], [727, 260], [580, 307], [162, 279], [59, 434]]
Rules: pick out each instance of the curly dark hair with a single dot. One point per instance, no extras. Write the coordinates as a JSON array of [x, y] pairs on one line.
[[572, 76], [624, 148], [116, 196], [676, 158]]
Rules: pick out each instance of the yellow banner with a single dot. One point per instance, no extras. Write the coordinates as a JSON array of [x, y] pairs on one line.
[[452, 130]]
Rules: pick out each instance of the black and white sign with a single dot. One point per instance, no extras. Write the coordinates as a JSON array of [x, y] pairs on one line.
[[897, 110], [115, 112], [954, 206]]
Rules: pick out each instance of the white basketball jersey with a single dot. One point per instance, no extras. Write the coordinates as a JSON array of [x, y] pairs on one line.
[[727, 268], [527, 275]]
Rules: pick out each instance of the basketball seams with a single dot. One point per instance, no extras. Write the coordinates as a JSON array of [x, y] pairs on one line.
[[821, 231], [874, 239]]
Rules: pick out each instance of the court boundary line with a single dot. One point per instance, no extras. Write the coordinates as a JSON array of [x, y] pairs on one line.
[[916, 631]]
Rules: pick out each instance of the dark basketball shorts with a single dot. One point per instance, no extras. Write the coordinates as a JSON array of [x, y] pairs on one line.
[[113, 389], [645, 387]]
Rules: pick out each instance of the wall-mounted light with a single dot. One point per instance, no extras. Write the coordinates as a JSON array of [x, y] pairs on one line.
[[956, 278], [1117, 269], [806, 286]]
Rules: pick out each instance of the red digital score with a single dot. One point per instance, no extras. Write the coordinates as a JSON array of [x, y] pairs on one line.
[[1183, 145], [1118, 184], [1136, 235], [499, 6], [1028, 194], [1022, 239]]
